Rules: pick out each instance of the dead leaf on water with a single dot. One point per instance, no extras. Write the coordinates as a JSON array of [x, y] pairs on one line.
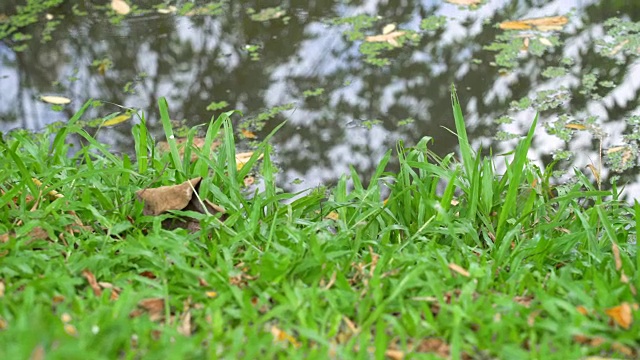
[[120, 7], [117, 120], [464, 2], [55, 100], [243, 157], [248, 134], [390, 38], [575, 126], [550, 23], [388, 28]]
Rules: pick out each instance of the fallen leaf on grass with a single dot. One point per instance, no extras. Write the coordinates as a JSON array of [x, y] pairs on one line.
[[165, 198], [38, 353], [91, 279], [543, 24], [280, 336], [154, 307], [184, 326], [621, 315], [434, 345], [459, 269], [1, 289], [120, 7], [55, 100]]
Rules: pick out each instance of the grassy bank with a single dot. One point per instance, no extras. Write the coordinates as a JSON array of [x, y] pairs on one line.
[[482, 266]]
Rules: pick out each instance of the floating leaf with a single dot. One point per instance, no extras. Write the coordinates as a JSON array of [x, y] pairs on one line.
[[544, 41], [621, 315], [543, 24], [248, 134], [575, 126], [388, 28], [243, 157], [390, 38], [120, 7], [464, 2], [55, 100], [117, 120]]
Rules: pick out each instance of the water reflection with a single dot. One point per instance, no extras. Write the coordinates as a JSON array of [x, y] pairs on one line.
[[362, 110]]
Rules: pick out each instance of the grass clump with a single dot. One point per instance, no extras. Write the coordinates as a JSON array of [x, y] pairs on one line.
[[457, 262]]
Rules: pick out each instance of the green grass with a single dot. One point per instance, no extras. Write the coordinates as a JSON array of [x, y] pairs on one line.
[[346, 275]]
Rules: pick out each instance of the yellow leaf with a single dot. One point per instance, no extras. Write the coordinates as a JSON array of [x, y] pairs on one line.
[[621, 315], [544, 41], [279, 335], [248, 134], [388, 28], [615, 149], [464, 2], [543, 24], [243, 158], [120, 7], [211, 294], [55, 100], [117, 120], [575, 126], [332, 216]]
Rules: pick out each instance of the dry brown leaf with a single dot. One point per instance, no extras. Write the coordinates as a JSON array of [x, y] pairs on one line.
[[38, 353], [211, 294], [621, 315], [394, 354], [332, 215], [120, 7], [434, 345], [1, 289], [390, 38], [582, 310], [154, 307], [459, 269], [91, 279], [71, 330], [464, 2], [165, 198], [543, 24], [4, 238], [616, 256], [184, 326]]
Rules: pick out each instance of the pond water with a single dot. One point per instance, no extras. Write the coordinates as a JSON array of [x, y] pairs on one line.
[[350, 77]]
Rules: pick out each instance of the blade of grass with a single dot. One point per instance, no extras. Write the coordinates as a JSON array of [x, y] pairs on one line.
[[168, 132]]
